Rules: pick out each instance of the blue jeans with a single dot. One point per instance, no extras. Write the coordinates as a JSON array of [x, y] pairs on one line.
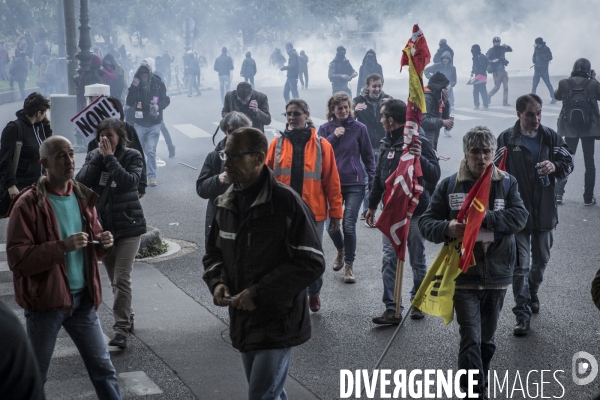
[[149, 136], [291, 84], [542, 72], [418, 263], [266, 372], [533, 254], [314, 289], [82, 324], [224, 82], [352, 197], [367, 191], [477, 313]]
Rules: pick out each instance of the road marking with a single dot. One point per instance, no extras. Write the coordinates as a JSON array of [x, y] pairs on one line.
[[318, 122], [138, 383], [544, 112], [486, 113], [280, 126], [4, 266], [464, 117], [192, 131]]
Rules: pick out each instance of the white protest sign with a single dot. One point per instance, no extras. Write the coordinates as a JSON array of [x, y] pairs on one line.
[[88, 119]]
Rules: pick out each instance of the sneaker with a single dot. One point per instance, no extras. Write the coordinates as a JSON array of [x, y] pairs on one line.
[[590, 202], [506, 105], [521, 329], [171, 151], [314, 303], [119, 341], [387, 318], [348, 275], [415, 313], [338, 263], [152, 182], [559, 199], [476, 108], [553, 101], [485, 108], [363, 216], [534, 304]]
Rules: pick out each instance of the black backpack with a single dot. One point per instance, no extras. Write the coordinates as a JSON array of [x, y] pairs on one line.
[[577, 107]]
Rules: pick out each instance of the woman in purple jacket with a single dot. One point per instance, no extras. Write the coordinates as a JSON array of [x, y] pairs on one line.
[[350, 141]]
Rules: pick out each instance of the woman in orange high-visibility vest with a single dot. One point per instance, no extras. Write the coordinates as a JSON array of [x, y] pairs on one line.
[[306, 163]]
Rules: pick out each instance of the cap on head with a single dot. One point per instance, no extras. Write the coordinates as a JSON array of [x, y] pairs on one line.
[[224, 50], [443, 41], [475, 47], [539, 41], [496, 40], [289, 46], [341, 50]]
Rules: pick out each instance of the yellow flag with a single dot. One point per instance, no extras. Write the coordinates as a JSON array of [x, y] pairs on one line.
[[416, 95], [436, 293]]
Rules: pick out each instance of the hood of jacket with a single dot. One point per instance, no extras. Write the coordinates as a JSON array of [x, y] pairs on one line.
[[221, 145], [370, 51], [437, 82], [364, 92], [447, 55], [117, 102], [22, 117]]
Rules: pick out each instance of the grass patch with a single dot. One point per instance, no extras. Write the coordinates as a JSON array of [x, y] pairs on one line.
[[29, 83], [154, 249]]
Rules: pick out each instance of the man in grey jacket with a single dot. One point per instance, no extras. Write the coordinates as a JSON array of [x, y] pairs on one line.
[[293, 67]]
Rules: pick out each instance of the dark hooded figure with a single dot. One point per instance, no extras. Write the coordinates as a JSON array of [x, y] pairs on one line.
[[445, 67], [303, 72], [438, 108], [541, 59], [132, 137], [277, 59], [369, 66], [479, 69], [340, 72], [248, 69], [441, 50]]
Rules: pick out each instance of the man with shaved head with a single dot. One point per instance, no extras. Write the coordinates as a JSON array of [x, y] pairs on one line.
[[53, 242]]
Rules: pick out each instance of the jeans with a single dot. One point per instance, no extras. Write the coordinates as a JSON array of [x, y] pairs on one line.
[[342, 89], [477, 313], [480, 89], [266, 372], [314, 289], [588, 145], [83, 326], [224, 82], [3, 73], [500, 77], [249, 79], [149, 136], [21, 87], [418, 263], [352, 197], [291, 84], [542, 72], [119, 264], [451, 98], [533, 254], [193, 85], [367, 191], [303, 79]]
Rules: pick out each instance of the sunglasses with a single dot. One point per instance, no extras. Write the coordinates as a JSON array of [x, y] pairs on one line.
[[476, 151], [295, 113]]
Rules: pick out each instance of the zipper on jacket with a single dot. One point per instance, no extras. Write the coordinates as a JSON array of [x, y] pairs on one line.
[[484, 266]]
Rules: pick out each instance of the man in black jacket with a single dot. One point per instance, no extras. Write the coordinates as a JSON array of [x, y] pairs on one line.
[[497, 66], [341, 72], [438, 108], [263, 249], [254, 104], [393, 117], [541, 59], [293, 67], [303, 72], [533, 153], [479, 69], [148, 98], [437, 58]]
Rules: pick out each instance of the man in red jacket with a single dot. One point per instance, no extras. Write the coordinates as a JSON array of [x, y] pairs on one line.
[[54, 241]]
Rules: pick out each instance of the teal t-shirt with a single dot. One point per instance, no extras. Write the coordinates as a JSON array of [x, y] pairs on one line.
[[68, 215]]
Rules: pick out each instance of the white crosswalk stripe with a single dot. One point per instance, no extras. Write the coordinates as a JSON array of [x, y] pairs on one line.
[[460, 117], [192, 131], [545, 112], [483, 114]]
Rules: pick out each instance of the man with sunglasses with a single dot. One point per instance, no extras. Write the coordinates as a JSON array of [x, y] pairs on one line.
[[536, 156], [262, 252]]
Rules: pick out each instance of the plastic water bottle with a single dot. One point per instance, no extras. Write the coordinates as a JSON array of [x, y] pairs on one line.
[[544, 180]]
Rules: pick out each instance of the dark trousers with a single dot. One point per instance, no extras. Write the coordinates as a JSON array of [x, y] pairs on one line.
[[588, 145], [166, 134], [21, 87], [477, 314], [303, 79], [249, 79], [542, 73], [480, 89], [291, 85]]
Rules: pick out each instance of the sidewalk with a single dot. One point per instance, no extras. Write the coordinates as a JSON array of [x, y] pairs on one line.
[[186, 338]]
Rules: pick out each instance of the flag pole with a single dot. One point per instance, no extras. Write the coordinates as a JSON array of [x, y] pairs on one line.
[[398, 286]]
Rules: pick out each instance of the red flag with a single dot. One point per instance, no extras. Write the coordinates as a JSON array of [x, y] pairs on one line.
[[402, 187], [502, 165], [473, 212]]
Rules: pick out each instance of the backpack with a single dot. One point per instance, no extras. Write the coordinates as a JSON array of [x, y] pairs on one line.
[[577, 108]]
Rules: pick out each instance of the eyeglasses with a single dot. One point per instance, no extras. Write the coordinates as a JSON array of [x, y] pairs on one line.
[[234, 156], [295, 113], [476, 151]]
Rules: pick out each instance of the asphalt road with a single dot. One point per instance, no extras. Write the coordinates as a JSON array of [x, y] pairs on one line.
[[343, 335]]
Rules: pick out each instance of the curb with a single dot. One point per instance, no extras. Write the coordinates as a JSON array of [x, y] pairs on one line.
[[15, 95]]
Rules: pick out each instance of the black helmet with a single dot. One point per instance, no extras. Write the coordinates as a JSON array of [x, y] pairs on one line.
[[582, 67], [496, 39]]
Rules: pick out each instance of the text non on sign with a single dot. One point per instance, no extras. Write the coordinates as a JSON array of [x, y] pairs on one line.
[[88, 119]]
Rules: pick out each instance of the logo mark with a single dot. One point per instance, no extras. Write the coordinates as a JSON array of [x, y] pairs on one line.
[[582, 364]]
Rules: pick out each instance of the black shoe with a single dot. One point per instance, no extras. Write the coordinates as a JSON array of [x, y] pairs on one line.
[[534, 304], [521, 329], [415, 313], [119, 341], [387, 318], [171, 151], [589, 202]]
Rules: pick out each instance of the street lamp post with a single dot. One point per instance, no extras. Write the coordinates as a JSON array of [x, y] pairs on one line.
[[85, 42]]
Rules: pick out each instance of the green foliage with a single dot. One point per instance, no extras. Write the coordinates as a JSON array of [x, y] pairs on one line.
[[154, 249]]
